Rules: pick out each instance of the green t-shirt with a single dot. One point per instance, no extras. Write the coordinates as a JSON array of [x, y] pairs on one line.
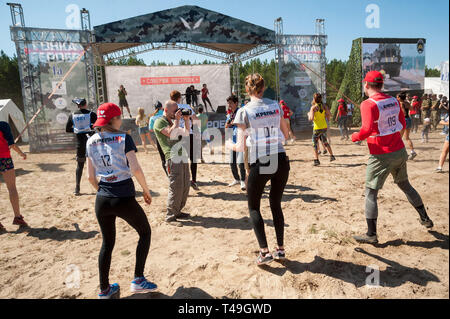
[[203, 121], [165, 142], [121, 95]]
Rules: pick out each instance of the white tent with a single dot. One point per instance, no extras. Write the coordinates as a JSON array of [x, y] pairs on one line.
[[434, 86], [9, 109]]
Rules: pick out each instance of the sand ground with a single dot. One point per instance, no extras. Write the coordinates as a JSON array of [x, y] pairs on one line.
[[213, 254]]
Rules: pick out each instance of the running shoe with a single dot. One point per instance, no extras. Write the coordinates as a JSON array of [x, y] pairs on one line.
[[113, 292], [19, 221], [243, 186], [316, 162], [332, 158], [233, 183], [183, 216], [279, 254], [412, 156], [77, 191], [264, 258], [194, 185], [2, 228], [428, 223], [141, 286], [438, 170], [325, 152], [319, 152], [366, 239]]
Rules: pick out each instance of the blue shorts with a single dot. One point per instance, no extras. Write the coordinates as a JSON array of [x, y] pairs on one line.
[[6, 164], [143, 130], [408, 122]]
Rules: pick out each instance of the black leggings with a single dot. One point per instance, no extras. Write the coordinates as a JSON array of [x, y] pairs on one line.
[[163, 157], [206, 99], [79, 172], [192, 158], [256, 182], [234, 168], [127, 208]]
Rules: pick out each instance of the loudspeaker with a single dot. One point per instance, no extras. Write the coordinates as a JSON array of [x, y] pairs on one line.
[[221, 109]]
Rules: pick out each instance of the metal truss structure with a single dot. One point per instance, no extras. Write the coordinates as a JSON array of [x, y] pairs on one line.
[[279, 53], [30, 73]]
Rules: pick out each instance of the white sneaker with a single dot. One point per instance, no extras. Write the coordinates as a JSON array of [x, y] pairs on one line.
[[243, 185], [233, 183]]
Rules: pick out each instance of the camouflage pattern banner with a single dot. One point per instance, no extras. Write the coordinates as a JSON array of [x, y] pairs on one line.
[[190, 24], [51, 61], [297, 83]]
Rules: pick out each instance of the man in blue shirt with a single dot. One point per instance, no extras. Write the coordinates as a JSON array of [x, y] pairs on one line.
[[158, 113]]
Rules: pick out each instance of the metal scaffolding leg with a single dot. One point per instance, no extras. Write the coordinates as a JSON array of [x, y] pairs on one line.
[[236, 77], [279, 54]]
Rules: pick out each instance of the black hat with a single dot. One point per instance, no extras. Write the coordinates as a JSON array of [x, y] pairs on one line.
[[79, 102], [158, 105]]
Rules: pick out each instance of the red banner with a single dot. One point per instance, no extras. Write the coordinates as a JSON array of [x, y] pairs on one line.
[[171, 80]]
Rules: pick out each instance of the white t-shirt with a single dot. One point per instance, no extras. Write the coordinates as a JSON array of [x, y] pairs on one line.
[[262, 118]]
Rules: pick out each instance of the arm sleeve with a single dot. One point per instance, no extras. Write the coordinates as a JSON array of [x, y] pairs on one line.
[[367, 118], [241, 118], [69, 125], [7, 134], [93, 118], [129, 144]]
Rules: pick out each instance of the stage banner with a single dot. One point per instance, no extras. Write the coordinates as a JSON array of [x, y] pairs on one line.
[[297, 83], [401, 61], [146, 85]]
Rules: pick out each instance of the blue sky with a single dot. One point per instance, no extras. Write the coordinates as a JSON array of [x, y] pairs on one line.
[[345, 20]]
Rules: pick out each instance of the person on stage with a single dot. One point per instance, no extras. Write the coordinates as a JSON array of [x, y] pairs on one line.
[[205, 98], [122, 93]]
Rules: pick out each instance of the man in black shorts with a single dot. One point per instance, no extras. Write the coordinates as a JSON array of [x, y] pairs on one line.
[[80, 122]]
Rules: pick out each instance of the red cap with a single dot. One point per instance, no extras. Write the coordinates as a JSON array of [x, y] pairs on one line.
[[374, 77], [341, 101], [105, 113], [282, 102], [415, 97]]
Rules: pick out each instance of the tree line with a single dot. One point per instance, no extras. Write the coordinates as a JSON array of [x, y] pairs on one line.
[[10, 87]]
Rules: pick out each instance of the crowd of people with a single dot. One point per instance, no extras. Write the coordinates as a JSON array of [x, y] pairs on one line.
[[257, 155]]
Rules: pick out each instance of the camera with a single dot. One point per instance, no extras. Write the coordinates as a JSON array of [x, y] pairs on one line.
[[185, 112]]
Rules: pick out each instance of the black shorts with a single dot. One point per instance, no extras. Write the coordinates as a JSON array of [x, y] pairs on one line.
[[123, 103]]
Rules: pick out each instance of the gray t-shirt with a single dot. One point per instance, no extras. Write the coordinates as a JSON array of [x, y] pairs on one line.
[[262, 118]]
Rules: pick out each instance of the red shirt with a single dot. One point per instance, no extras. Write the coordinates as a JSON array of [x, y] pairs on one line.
[[342, 111], [6, 140], [377, 144], [415, 108], [286, 111], [204, 93]]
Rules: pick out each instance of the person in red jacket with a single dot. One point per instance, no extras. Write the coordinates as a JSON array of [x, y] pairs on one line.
[[8, 172], [287, 114], [341, 119], [382, 121]]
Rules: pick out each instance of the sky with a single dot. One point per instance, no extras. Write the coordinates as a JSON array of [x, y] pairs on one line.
[[345, 20]]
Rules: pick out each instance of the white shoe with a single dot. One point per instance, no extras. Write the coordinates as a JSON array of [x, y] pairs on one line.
[[243, 185], [233, 183]]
